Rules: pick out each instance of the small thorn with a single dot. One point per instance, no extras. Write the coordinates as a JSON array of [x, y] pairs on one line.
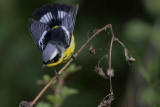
[[56, 74]]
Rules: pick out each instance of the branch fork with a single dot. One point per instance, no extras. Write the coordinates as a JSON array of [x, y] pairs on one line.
[[109, 70]]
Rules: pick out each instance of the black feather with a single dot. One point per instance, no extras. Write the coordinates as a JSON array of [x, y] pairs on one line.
[[37, 14], [67, 20], [49, 16], [37, 29], [57, 35]]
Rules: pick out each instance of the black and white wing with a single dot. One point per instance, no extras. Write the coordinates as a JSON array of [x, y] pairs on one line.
[[57, 15], [49, 16], [68, 21], [38, 31], [69, 18], [46, 14]]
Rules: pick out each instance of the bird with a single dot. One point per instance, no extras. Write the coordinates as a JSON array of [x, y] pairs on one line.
[[52, 29]]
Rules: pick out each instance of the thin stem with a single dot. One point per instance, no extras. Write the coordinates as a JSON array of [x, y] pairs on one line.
[[110, 68], [84, 45], [120, 42], [110, 52], [44, 89], [101, 60], [68, 63], [110, 80]]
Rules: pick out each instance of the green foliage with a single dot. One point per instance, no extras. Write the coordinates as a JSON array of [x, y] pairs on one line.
[[43, 104], [21, 62], [66, 91], [146, 35], [55, 99], [151, 93], [71, 69], [156, 35], [138, 30], [153, 7], [61, 92], [46, 78]]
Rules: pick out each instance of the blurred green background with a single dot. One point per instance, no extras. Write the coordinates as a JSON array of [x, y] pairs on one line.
[[135, 22]]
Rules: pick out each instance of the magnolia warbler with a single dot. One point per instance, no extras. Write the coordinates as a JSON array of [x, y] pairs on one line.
[[52, 32]]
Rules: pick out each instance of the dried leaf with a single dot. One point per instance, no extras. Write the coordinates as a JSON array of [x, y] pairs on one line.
[[107, 102], [100, 72], [92, 31], [92, 50], [95, 30], [110, 72], [25, 104], [130, 60], [128, 56]]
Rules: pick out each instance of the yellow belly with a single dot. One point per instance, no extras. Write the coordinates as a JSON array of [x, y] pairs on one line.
[[67, 54]]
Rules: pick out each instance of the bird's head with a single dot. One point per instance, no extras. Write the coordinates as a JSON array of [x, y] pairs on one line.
[[52, 54]]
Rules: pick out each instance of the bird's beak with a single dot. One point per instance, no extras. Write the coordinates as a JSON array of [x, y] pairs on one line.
[[43, 66]]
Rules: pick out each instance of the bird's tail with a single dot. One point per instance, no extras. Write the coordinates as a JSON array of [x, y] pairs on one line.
[[57, 15]]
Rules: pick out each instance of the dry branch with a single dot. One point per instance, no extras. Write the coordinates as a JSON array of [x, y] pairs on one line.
[[68, 63]]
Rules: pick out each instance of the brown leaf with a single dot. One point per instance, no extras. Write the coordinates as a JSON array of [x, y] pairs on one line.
[[130, 60], [106, 102], [92, 50], [95, 30], [128, 56], [25, 104], [91, 31], [110, 72], [100, 72]]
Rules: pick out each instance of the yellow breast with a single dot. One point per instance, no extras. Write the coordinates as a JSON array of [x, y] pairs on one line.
[[67, 54]]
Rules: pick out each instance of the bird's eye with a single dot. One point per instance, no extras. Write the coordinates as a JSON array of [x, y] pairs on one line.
[[56, 58], [52, 60]]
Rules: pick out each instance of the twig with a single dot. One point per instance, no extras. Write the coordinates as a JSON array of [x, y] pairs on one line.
[[110, 52], [99, 70], [127, 54], [120, 42], [110, 71], [106, 103], [105, 56], [44, 89], [68, 63]]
